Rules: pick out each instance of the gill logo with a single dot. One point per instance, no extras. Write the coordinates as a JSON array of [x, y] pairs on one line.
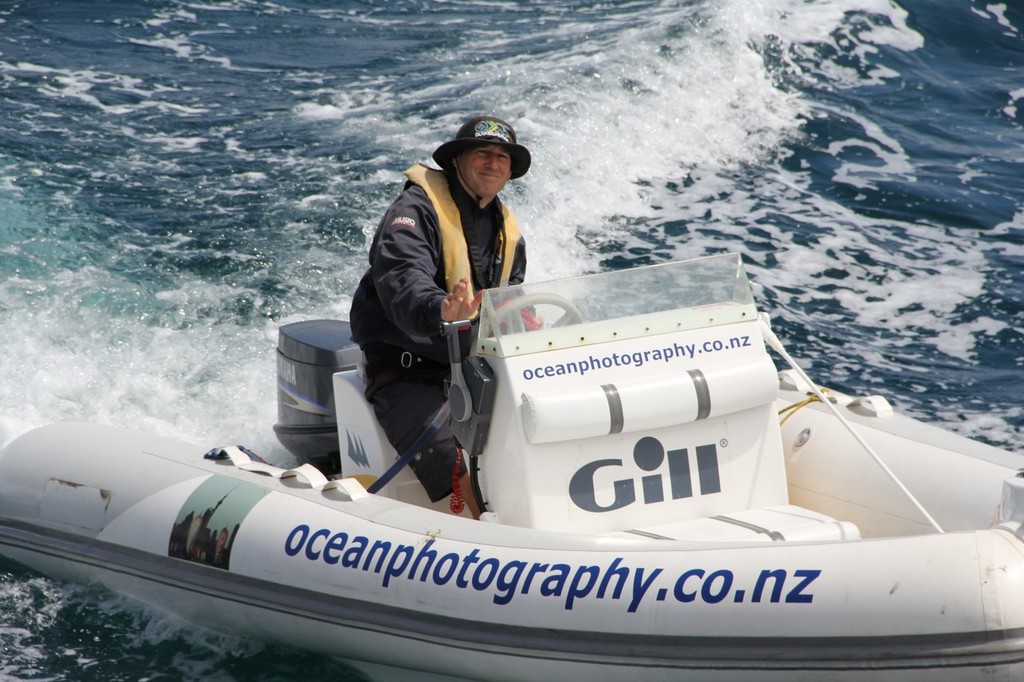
[[649, 455]]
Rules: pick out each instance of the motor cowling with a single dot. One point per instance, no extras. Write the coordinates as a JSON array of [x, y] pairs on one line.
[[309, 353]]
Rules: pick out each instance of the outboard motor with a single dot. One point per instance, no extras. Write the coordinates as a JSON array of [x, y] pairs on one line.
[[308, 355]]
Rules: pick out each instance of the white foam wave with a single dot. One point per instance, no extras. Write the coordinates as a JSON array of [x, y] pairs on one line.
[[609, 115], [190, 375], [873, 155], [997, 11], [96, 87]]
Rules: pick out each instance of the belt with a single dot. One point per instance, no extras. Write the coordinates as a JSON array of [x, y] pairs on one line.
[[385, 363]]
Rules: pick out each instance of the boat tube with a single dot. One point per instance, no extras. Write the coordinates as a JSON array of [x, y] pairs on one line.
[[648, 514]]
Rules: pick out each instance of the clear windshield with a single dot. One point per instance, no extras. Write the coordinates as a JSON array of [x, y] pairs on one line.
[[615, 306]]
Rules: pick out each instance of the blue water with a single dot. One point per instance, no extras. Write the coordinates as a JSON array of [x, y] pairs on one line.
[[178, 178]]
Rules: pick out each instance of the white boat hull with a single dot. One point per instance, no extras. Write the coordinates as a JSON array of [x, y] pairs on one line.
[[596, 608]]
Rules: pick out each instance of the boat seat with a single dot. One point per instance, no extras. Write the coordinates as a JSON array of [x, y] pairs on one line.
[[770, 524]]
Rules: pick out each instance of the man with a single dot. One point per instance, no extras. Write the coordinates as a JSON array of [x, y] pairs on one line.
[[445, 239]]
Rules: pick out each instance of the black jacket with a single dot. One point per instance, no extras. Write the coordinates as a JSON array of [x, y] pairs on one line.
[[398, 300]]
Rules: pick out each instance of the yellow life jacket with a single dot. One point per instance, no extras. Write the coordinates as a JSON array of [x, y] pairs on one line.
[[453, 240]]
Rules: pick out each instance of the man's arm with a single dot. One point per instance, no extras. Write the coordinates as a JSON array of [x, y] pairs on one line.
[[406, 264]]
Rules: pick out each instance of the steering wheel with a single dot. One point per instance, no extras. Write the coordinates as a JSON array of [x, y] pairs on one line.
[[511, 312]]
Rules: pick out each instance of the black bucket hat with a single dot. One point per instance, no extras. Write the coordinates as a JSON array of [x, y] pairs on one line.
[[481, 130]]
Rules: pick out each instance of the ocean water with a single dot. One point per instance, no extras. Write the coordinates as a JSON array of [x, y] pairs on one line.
[[178, 178]]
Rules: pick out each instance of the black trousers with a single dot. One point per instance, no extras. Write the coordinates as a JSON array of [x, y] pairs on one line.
[[405, 410]]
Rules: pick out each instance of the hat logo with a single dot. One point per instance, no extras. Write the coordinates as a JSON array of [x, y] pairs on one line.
[[489, 128]]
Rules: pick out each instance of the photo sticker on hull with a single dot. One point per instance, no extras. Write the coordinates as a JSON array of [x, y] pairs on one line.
[[208, 522]]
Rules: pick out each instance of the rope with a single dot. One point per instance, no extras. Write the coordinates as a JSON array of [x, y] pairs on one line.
[[776, 345], [456, 503], [790, 410]]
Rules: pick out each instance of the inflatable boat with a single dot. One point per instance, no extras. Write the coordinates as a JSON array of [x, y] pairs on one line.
[[659, 503]]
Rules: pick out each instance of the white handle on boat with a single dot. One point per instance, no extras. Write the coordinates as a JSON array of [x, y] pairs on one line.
[[773, 341]]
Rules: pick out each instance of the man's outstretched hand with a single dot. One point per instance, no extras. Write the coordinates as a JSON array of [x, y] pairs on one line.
[[459, 305]]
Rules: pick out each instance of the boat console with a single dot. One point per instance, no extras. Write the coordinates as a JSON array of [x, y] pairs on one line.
[[646, 396]]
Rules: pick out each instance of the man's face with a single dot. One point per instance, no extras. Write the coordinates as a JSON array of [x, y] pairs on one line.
[[485, 170]]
